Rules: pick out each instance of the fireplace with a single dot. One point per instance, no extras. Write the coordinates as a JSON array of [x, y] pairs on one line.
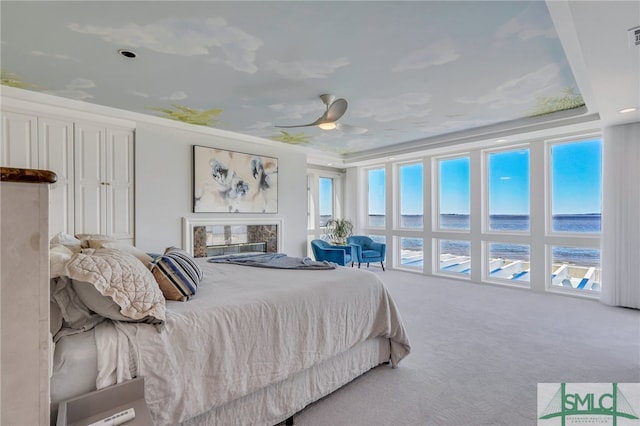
[[212, 237]]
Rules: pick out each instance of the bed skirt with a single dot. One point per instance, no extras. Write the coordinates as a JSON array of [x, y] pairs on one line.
[[279, 401]]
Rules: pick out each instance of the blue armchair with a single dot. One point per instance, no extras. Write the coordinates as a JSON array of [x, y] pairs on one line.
[[367, 250], [322, 250]]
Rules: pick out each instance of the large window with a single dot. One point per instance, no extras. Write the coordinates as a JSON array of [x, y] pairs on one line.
[[411, 195], [508, 188], [526, 214], [454, 193], [576, 209], [576, 191], [377, 199]]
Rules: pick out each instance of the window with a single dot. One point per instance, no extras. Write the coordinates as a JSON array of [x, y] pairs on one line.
[[575, 268], [509, 262], [576, 192], [325, 200], [377, 198], [453, 192], [454, 256], [508, 190], [576, 210], [411, 252], [411, 195]]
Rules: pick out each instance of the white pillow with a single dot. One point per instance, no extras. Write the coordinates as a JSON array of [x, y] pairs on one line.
[[122, 246], [59, 255], [122, 278], [67, 240]]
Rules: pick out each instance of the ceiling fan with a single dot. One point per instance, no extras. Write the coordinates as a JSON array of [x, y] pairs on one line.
[[328, 121]]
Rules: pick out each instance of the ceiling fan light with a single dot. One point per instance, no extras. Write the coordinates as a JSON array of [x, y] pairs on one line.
[[327, 126]]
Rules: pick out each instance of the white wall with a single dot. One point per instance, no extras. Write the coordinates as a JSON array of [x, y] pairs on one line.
[[164, 193]]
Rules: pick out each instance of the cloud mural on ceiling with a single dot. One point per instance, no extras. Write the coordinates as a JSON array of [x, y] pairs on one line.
[[184, 37], [409, 70], [302, 70], [400, 107], [520, 90], [437, 53]]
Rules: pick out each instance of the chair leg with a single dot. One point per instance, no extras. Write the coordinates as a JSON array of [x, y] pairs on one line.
[[382, 263], [367, 264], [358, 265]]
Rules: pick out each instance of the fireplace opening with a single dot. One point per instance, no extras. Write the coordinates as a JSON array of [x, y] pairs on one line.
[[215, 240]]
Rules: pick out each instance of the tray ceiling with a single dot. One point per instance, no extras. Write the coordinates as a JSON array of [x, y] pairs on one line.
[[409, 70]]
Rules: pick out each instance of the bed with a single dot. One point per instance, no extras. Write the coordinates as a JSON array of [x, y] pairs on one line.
[[250, 346]]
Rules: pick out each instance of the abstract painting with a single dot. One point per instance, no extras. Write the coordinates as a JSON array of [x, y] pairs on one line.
[[233, 182]]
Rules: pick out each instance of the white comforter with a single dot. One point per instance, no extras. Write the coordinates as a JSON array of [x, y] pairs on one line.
[[245, 329]]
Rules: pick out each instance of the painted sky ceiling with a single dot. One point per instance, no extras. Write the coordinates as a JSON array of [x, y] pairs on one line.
[[409, 70]]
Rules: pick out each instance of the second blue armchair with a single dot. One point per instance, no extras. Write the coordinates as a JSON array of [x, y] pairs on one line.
[[367, 250], [341, 255]]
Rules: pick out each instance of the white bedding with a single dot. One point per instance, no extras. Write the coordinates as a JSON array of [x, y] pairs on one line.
[[247, 328]]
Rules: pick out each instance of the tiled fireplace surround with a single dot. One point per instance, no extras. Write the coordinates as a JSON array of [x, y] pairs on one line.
[[258, 230]]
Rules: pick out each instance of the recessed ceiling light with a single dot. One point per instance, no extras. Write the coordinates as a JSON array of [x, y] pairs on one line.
[[626, 110], [127, 53]]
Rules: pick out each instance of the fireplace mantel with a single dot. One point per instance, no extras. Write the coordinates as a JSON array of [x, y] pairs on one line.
[[188, 224]]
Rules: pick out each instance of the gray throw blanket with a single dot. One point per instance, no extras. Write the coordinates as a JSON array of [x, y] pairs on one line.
[[273, 260]]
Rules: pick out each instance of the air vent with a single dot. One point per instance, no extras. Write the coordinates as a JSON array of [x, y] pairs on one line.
[[634, 36]]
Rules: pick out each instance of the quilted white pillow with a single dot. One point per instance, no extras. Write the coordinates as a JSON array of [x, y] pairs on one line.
[[121, 277], [122, 246]]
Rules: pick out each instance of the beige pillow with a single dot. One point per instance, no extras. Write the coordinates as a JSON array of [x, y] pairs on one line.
[[85, 238], [122, 278], [122, 246]]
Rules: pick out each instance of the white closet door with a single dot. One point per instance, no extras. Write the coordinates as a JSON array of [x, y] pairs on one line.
[[56, 154], [19, 146], [90, 182], [119, 178]]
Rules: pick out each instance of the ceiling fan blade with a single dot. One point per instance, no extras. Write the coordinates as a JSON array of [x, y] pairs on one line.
[[352, 130], [336, 110]]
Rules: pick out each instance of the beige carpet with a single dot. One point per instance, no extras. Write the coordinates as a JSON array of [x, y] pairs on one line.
[[478, 352]]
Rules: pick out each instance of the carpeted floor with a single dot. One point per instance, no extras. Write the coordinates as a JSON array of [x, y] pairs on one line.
[[478, 353]]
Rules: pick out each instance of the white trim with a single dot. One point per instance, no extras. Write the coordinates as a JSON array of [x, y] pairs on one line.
[[189, 222]]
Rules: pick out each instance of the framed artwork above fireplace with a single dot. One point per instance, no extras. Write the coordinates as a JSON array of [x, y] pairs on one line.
[[233, 182]]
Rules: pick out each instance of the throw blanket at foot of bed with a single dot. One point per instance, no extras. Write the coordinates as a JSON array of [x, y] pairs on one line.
[[273, 260], [248, 328]]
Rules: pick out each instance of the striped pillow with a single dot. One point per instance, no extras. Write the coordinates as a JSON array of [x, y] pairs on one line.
[[177, 274]]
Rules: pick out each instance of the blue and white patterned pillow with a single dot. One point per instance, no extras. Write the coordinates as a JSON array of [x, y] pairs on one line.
[[177, 274]]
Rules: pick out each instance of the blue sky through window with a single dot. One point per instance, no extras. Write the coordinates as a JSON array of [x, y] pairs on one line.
[[576, 182], [454, 186], [326, 197], [376, 192], [411, 189], [577, 177], [509, 182]]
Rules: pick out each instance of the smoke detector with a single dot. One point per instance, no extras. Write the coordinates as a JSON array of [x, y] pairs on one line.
[[634, 36]]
